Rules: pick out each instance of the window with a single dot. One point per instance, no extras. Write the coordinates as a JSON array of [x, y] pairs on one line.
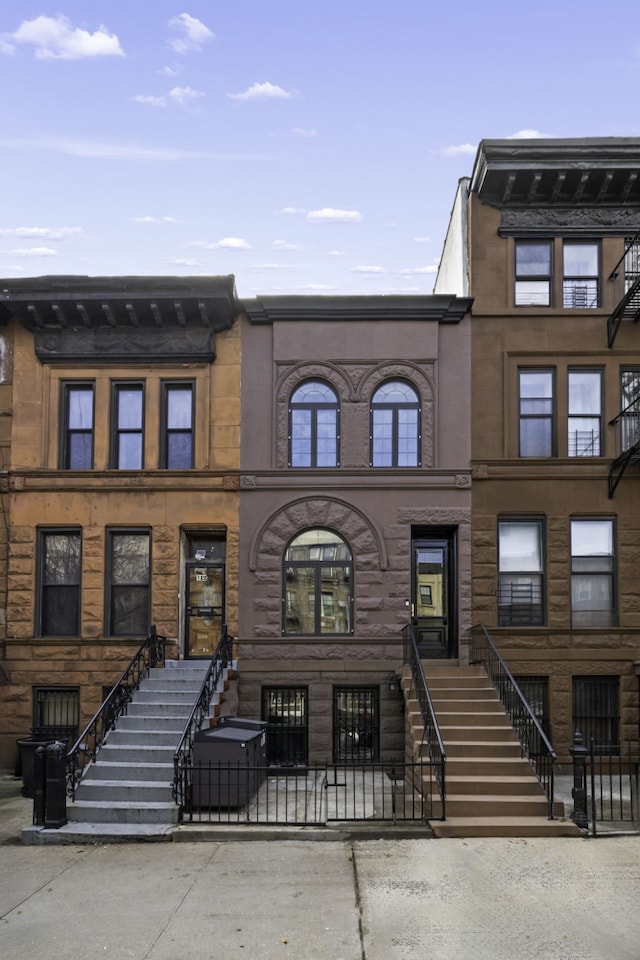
[[580, 283], [76, 441], [59, 569], [56, 712], [533, 273], [176, 442], [592, 573], [630, 407], [595, 712], [520, 573], [395, 426], [285, 711], [128, 426], [317, 596], [536, 433], [356, 724], [585, 413], [313, 426], [128, 593]]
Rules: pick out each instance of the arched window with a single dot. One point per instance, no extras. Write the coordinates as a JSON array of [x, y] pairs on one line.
[[318, 577], [313, 426], [395, 426]]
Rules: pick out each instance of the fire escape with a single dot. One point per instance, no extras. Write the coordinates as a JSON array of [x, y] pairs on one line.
[[629, 417]]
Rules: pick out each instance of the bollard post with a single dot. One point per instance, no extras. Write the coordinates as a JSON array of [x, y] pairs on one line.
[[39, 775], [579, 793], [56, 785]]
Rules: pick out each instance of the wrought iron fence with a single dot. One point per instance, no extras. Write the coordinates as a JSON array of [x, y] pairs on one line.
[[534, 742], [431, 732], [182, 758], [151, 653], [390, 791], [613, 784]]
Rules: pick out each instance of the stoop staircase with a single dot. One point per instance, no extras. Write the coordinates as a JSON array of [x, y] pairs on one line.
[[491, 790], [127, 791]]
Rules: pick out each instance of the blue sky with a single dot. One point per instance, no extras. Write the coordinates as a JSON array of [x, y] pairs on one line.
[[302, 145]]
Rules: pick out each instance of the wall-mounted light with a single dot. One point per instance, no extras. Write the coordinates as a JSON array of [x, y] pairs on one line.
[[393, 682]]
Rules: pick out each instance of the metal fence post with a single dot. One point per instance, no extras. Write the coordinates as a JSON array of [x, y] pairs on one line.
[[579, 792], [39, 781], [56, 785]]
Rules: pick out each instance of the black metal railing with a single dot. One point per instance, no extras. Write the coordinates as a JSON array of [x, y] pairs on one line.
[[613, 785], [430, 730], [150, 654], [629, 420], [182, 758], [629, 305], [534, 742], [388, 791]]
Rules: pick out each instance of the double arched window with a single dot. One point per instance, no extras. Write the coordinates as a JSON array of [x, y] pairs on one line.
[[313, 426], [395, 425], [318, 581]]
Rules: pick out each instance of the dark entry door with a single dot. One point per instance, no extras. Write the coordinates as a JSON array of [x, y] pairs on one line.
[[433, 603], [205, 608]]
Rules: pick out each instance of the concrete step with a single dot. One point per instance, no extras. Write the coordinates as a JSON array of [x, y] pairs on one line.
[[165, 695], [485, 732], [135, 753], [504, 827], [153, 708], [145, 736], [488, 766], [483, 784], [496, 805], [477, 749], [161, 724], [138, 792], [463, 694], [108, 770], [93, 811]]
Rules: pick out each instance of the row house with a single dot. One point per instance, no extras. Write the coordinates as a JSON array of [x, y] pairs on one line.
[[544, 237]]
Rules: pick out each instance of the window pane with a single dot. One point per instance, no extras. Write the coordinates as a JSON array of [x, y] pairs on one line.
[[130, 408], [179, 451], [327, 440], [301, 438], [80, 451], [130, 558], [130, 451], [536, 438], [129, 611], [535, 293], [581, 259], [520, 546], [80, 408], [533, 259], [61, 558], [407, 438], [584, 391], [60, 584], [395, 392], [314, 392], [179, 408], [591, 538]]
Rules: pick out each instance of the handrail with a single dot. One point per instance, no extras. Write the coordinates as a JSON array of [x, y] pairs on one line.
[[431, 731], [535, 744], [151, 653], [614, 321], [182, 756]]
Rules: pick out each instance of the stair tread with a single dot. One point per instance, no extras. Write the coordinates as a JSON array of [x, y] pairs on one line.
[[123, 804]]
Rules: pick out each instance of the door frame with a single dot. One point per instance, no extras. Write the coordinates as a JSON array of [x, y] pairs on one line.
[[187, 567], [447, 537]]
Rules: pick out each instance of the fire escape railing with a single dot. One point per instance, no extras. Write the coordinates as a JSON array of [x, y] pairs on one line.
[[431, 732], [629, 305], [182, 766], [150, 654], [629, 420], [535, 745]]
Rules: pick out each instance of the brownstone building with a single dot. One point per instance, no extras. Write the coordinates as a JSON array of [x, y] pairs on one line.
[[355, 500], [120, 438], [544, 237]]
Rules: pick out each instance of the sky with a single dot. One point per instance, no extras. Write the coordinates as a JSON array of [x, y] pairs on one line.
[[305, 146]]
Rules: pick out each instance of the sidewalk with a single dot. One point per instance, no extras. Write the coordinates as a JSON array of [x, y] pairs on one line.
[[557, 899]]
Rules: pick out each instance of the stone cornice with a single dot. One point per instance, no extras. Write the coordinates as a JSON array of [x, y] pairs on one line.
[[437, 308]]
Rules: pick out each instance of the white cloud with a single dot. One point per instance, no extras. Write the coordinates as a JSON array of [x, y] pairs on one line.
[[54, 38], [148, 99], [418, 271], [169, 71], [422, 239], [337, 253], [528, 135], [262, 91], [32, 252], [331, 215], [149, 219], [227, 243], [183, 95], [369, 270], [315, 287], [104, 150], [192, 33], [302, 132], [457, 150], [285, 245], [271, 266], [42, 233], [185, 262], [293, 210]]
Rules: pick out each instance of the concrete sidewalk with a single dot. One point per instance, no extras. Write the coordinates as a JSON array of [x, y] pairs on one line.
[[557, 899]]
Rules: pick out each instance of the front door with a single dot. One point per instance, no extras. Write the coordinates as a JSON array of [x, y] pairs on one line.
[[205, 608], [433, 603]]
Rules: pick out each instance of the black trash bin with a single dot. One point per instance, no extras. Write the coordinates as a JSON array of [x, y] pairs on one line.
[[228, 764]]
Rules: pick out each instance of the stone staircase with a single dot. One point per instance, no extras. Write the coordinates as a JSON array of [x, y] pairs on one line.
[[127, 791], [491, 789]]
